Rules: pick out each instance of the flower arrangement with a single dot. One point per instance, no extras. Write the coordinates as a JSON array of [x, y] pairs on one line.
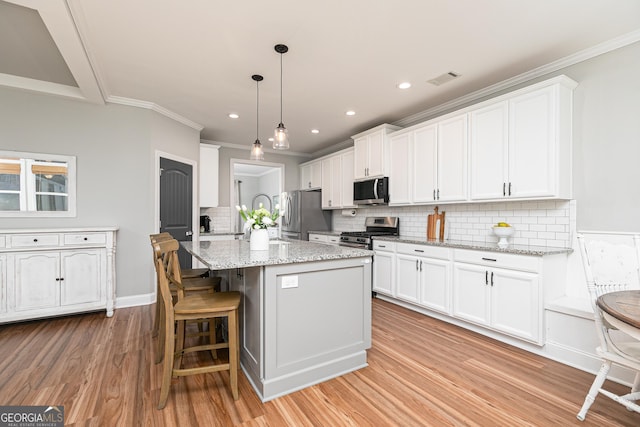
[[260, 218]]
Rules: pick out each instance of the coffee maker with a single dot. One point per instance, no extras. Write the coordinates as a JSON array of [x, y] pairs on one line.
[[205, 223]]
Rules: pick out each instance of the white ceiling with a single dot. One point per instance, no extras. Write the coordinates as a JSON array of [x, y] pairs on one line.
[[193, 60]]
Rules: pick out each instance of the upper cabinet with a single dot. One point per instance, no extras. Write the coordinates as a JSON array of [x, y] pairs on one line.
[[521, 144], [311, 175], [337, 180], [429, 162], [371, 152], [209, 175]]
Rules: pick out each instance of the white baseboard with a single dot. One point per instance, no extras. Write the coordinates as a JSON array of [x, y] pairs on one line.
[[135, 300]]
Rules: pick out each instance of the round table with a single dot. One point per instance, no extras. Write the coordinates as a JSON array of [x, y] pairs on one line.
[[622, 309]]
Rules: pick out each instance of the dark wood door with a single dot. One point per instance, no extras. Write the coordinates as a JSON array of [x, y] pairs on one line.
[[176, 202]]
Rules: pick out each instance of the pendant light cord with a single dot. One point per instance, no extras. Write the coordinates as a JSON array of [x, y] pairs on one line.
[[281, 88], [257, 108]]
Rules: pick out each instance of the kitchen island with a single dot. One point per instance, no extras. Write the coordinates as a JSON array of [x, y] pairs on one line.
[[305, 314]]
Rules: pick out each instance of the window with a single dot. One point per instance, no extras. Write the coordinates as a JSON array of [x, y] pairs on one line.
[[36, 184]]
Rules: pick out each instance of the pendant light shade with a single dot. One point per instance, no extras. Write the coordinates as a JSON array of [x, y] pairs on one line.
[[256, 149], [281, 135]]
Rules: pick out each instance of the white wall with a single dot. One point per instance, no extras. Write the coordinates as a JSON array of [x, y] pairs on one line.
[[114, 146]]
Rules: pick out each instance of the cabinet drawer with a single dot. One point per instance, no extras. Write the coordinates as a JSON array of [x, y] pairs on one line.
[[85, 239], [334, 240], [497, 259], [383, 245], [34, 240], [320, 238], [423, 250]]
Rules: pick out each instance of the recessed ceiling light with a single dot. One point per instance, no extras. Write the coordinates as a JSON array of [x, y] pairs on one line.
[[233, 115], [404, 85], [315, 131], [350, 113]]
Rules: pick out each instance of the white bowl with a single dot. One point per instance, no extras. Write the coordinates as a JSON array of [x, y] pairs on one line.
[[503, 233]]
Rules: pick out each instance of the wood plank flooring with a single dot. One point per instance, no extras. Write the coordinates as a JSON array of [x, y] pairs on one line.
[[422, 372]]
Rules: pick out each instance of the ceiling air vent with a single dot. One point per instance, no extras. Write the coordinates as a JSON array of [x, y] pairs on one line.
[[444, 78]]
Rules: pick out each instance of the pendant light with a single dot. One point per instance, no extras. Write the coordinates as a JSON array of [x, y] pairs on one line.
[[281, 137], [256, 150]]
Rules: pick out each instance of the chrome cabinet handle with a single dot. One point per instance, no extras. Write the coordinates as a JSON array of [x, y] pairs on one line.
[[509, 188], [438, 194], [420, 265], [492, 278], [416, 265], [486, 277]]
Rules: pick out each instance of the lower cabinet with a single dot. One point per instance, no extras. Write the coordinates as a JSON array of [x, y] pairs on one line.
[[423, 276], [384, 262], [327, 239], [54, 273], [498, 291]]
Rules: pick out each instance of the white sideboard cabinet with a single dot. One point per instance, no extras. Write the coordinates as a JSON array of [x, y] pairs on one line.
[[51, 272]]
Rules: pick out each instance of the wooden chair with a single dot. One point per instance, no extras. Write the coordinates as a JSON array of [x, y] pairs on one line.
[[193, 282], [609, 268], [201, 305]]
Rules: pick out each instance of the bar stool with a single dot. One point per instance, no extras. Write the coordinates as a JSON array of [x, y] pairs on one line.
[[193, 282], [201, 305]]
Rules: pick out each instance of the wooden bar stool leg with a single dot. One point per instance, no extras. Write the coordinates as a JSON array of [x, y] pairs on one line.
[[212, 337], [161, 332], [233, 351], [167, 369], [179, 344]]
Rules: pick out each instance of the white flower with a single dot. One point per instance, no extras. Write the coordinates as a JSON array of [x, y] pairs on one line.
[[251, 221], [256, 227], [244, 208], [260, 206], [267, 221], [238, 208], [277, 206]]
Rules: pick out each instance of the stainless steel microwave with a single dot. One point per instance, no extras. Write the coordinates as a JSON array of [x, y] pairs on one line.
[[371, 192]]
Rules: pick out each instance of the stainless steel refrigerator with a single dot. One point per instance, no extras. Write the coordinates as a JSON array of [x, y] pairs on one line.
[[303, 213]]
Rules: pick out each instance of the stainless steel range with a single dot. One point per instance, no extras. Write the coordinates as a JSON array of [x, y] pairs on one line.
[[376, 226]]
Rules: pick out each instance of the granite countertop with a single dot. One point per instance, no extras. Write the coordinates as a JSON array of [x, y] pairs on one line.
[[327, 233], [228, 254], [480, 246]]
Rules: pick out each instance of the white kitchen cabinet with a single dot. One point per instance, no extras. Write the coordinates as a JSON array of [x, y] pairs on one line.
[[500, 292], [208, 167], [521, 143], [347, 178], [325, 239], [337, 180], [56, 272], [332, 182], [3, 283], [371, 150], [429, 163], [423, 276], [311, 175], [384, 262]]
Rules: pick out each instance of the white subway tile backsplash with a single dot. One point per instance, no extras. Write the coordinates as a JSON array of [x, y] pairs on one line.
[[537, 223]]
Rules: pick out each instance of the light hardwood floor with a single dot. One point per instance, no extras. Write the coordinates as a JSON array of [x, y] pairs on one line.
[[422, 372]]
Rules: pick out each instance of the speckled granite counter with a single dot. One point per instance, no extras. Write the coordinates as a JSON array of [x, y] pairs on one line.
[[228, 254], [219, 234], [481, 246]]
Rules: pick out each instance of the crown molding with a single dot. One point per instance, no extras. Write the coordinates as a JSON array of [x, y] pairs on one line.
[[248, 148], [567, 61], [155, 107]]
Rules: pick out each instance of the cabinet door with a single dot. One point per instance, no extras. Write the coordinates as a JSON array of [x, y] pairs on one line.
[[400, 173], [316, 175], [327, 183], [347, 179], [305, 177], [360, 161], [83, 276], [3, 283], [383, 272], [489, 151], [35, 283], [471, 293], [336, 179], [435, 284], [452, 159], [407, 276], [208, 175], [375, 142], [424, 164], [533, 144], [515, 303]]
